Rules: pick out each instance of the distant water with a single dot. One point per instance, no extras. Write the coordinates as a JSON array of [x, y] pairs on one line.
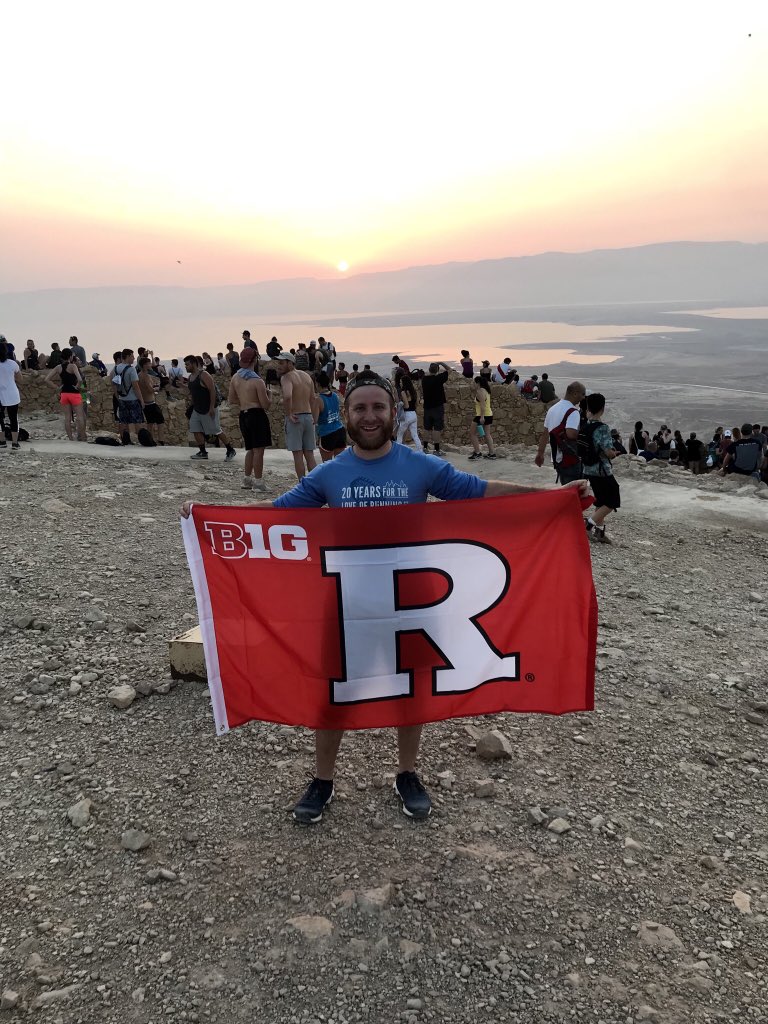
[[531, 346]]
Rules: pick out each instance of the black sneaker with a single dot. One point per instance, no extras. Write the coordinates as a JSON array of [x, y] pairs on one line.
[[415, 799], [493, 456], [315, 798], [590, 526], [199, 455], [231, 453], [474, 456]]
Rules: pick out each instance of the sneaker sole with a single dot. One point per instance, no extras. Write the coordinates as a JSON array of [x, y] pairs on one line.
[[410, 814], [311, 821]]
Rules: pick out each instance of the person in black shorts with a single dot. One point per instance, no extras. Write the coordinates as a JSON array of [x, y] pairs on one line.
[[433, 391], [597, 468], [248, 391], [331, 435]]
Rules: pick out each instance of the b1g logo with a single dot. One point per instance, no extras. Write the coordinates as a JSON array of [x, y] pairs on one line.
[[371, 620], [228, 540]]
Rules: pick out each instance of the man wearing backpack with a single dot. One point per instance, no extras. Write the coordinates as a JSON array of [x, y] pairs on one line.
[[203, 412], [595, 447], [130, 403], [561, 431], [743, 456], [301, 359]]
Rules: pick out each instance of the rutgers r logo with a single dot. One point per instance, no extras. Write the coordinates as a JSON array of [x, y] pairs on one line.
[[229, 540], [372, 620]]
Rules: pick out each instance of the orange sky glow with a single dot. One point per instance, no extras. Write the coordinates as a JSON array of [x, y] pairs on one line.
[[235, 144]]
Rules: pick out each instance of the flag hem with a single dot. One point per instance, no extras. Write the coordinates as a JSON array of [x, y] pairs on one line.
[[207, 631]]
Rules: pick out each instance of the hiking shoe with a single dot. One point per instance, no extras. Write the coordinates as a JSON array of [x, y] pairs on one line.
[[259, 485], [589, 526], [415, 799], [474, 456], [247, 483], [15, 447], [231, 453], [199, 455], [490, 456], [315, 798], [3, 444], [601, 536]]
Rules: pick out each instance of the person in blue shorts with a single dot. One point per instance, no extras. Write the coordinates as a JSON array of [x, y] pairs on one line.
[[361, 477]]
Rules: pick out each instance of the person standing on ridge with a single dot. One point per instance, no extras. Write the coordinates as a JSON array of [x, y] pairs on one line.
[[248, 391], [300, 413]]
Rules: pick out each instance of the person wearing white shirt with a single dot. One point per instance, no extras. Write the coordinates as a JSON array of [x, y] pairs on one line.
[[10, 397], [567, 414], [503, 372]]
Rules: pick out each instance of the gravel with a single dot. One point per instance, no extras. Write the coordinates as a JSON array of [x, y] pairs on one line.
[[650, 904]]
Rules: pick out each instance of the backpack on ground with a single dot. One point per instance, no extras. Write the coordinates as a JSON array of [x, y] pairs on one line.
[[23, 434], [111, 441], [563, 444], [585, 443], [145, 439]]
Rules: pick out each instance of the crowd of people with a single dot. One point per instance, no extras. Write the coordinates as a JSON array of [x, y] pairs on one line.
[[313, 383]]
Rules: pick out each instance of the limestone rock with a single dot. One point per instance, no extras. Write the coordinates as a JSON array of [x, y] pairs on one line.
[[658, 936], [312, 928], [121, 696], [80, 813], [373, 901], [134, 839], [493, 746]]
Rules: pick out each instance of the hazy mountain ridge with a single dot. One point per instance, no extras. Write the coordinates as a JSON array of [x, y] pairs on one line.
[[716, 272]]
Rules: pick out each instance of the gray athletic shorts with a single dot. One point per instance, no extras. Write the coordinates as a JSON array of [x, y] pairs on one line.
[[300, 437], [208, 425]]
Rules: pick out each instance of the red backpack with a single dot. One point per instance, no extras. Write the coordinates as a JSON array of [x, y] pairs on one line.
[[563, 444]]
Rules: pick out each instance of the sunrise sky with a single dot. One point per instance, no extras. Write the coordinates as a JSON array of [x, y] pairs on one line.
[[168, 143]]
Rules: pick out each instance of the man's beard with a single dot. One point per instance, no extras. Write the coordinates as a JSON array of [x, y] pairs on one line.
[[367, 441]]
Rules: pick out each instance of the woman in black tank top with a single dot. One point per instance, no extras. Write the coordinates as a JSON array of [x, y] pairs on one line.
[[70, 399]]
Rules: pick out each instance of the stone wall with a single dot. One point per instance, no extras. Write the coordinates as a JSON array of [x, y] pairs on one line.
[[515, 421]]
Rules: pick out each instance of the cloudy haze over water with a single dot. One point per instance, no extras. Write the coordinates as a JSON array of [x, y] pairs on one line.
[[174, 145]]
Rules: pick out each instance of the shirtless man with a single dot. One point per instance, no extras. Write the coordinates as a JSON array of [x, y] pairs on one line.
[[248, 391], [301, 411]]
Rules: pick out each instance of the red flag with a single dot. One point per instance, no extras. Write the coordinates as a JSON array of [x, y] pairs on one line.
[[363, 618]]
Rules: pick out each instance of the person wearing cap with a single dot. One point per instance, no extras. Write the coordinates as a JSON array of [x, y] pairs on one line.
[[97, 364], [248, 391], [301, 411], [375, 472]]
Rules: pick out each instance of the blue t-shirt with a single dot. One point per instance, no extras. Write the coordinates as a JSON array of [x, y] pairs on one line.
[[329, 419], [401, 477]]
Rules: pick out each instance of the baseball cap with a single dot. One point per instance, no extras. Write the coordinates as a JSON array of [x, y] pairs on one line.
[[286, 355], [727, 434], [369, 379]]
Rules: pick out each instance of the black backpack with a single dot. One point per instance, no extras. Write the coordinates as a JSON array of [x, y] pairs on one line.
[[585, 445]]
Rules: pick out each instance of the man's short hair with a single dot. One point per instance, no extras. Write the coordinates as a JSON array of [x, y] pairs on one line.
[[595, 402], [746, 429], [434, 367], [143, 361], [126, 352], [246, 332], [195, 360], [117, 356], [174, 362], [575, 391]]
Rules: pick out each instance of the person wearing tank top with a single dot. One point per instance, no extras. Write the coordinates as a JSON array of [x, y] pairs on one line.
[[65, 378]]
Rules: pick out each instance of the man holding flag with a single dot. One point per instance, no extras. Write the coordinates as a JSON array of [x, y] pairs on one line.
[[375, 471]]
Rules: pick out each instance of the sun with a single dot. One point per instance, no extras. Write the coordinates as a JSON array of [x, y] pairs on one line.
[[342, 265]]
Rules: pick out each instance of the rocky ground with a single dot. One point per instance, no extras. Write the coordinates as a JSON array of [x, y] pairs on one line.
[[608, 867]]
